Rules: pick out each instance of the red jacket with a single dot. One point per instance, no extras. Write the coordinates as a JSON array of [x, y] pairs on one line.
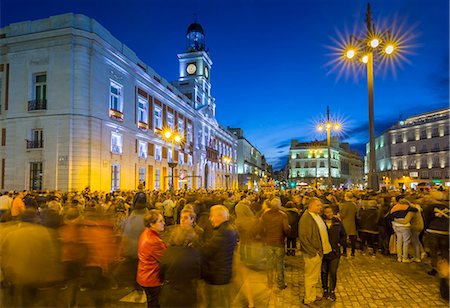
[[150, 251]]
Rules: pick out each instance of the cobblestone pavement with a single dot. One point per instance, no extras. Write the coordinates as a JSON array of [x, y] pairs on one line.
[[365, 281]]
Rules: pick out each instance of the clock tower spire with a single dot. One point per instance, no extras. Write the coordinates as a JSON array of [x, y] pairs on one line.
[[194, 71]]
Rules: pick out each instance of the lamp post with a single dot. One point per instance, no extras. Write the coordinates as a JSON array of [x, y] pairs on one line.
[[316, 152], [374, 45], [173, 137], [329, 126], [226, 160]]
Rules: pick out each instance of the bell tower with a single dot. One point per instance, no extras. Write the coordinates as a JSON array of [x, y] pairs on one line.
[[194, 71]]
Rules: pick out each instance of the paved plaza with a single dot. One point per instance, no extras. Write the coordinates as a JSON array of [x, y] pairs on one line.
[[363, 281]]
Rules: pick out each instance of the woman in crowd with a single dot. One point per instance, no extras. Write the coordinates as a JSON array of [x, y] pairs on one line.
[[150, 251], [369, 214], [181, 269], [402, 228], [330, 261]]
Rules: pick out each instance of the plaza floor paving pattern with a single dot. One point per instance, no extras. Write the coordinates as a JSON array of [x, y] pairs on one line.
[[363, 281]]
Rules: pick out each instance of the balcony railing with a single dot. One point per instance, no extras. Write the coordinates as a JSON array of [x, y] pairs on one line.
[[35, 144], [37, 104]]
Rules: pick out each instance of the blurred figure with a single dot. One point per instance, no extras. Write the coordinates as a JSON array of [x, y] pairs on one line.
[[132, 228], [187, 219], [369, 216], [347, 213], [180, 270], [293, 219], [245, 223], [314, 243], [436, 219], [31, 260], [218, 253], [18, 206], [73, 253], [330, 261], [150, 251], [274, 229], [168, 206], [5, 203]]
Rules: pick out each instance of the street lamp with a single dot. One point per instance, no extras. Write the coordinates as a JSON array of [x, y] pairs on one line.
[[226, 160], [386, 46], [328, 126], [173, 137], [316, 152]]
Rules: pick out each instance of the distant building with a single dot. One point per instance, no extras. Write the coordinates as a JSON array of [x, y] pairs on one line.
[[308, 164], [79, 108], [251, 164], [414, 151]]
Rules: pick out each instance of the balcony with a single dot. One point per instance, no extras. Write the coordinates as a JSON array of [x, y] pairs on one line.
[[37, 104], [35, 144], [399, 154]]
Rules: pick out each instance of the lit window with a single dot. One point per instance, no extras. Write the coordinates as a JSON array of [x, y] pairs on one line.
[[158, 152], [115, 100], [180, 158], [181, 127], [116, 143], [142, 113], [189, 160], [157, 179], [169, 156], [143, 149], [157, 117], [142, 175], [115, 177], [189, 133], [170, 120], [412, 149]]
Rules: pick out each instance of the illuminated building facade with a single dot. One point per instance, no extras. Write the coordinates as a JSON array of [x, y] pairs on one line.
[[79, 108], [308, 164], [414, 151], [251, 164]]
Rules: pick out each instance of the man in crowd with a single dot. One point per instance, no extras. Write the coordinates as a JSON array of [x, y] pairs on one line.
[[314, 243], [218, 252], [275, 228]]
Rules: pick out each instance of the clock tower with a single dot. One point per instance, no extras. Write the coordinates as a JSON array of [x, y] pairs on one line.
[[194, 71]]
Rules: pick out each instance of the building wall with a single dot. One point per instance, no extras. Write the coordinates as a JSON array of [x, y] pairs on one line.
[[415, 150], [80, 58]]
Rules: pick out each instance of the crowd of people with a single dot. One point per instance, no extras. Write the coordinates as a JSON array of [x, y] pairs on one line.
[[186, 248]]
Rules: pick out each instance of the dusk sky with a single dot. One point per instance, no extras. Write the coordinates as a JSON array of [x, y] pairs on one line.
[[270, 74]]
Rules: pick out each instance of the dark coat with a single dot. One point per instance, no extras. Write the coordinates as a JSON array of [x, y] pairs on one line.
[[218, 253], [181, 268], [368, 218], [293, 219], [336, 235]]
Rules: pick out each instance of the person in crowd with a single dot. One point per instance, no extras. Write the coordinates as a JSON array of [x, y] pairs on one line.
[[274, 230], [402, 228], [314, 243], [140, 198], [347, 213], [218, 253], [187, 219], [330, 261], [18, 206], [73, 253], [417, 225], [180, 270], [168, 209], [436, 223], [150, 251], [5, 202], [369, 215], [293, 219], [132, 228], [30, 261], [246, 224], [384, 224]]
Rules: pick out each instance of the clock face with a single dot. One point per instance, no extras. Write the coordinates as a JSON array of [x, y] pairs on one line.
[[206, 72], [191, 69]]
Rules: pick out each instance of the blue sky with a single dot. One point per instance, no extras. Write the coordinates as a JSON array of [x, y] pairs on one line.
[[270, 74]]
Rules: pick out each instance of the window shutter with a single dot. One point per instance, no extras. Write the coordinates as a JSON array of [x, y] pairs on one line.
[[164, 116], [136, 146], [135, 105], [150, 112], [150, 149], [164, 152]]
